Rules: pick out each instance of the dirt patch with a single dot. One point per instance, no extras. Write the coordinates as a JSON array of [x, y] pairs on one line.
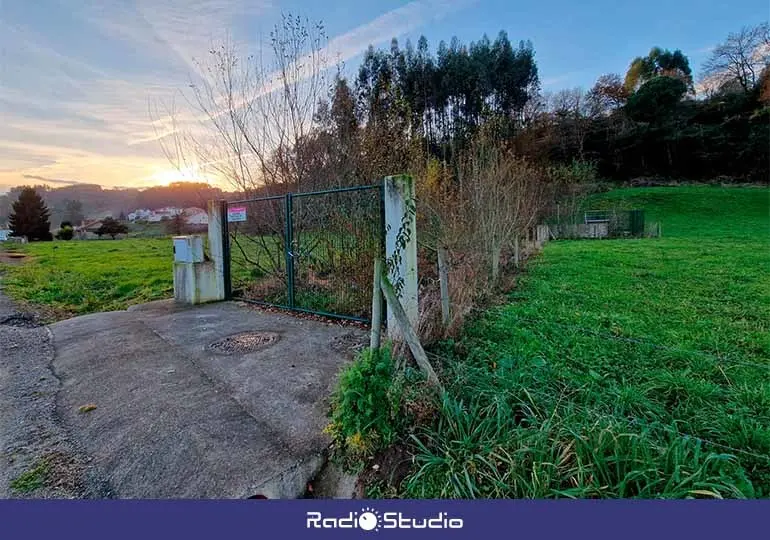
[[12, 257], [385, 472], [350, 343], [21, 320], [56, 474], [305, 316]]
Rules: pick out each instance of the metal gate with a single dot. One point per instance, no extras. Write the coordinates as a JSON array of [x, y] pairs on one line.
[[311, 252]]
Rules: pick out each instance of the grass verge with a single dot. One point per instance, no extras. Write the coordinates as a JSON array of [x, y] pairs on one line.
[[620, 368], [78, 277]]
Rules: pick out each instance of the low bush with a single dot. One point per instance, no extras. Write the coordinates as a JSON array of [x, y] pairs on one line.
[[375, 405]]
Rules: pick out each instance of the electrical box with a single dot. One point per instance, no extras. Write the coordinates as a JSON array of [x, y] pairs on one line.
[[188, 249]]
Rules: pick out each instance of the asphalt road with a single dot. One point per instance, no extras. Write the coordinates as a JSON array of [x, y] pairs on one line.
[[35, 449]]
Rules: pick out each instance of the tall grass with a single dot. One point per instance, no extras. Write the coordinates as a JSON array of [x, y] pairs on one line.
[[624, 368], [78, 277]]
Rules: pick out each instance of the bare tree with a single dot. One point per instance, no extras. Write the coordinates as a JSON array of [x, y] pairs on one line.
[[251, 116], [572, 108], [741, 58], [500, 198], [252, 113], [607, 95]]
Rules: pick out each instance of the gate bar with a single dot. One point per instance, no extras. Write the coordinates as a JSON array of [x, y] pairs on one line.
[[289, 240], [225, 250], [338, 190], [258, 199], [322, 313]]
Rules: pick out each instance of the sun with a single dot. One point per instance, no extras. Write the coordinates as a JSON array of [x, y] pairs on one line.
[[186, 174]]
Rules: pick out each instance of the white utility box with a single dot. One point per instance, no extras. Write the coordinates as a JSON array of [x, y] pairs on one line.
[[188, 249]]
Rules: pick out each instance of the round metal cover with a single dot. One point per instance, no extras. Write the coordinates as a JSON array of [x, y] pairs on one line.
[[244, 342]]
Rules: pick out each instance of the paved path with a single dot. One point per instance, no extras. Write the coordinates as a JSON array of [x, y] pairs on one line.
[[31, 435], [173, 418]]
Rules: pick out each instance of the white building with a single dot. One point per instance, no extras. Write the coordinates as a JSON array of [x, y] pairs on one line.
[[139, 215], [196, 216], [5, 234], [154, 216]]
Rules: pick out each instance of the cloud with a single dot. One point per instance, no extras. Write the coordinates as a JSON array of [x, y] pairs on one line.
[[382, 29], [392, 24], [75, 97], [52, 180], [175, 31]]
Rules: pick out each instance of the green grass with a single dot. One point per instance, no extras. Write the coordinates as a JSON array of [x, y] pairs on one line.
[[620, 368], [32, 479], [78, 277]]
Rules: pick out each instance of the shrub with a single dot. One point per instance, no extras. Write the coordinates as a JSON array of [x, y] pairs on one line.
[[66, 232], [111, 227], [365, 407]]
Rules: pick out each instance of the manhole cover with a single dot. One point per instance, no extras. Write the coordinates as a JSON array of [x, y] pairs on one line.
[[21, 320], [243, 343]]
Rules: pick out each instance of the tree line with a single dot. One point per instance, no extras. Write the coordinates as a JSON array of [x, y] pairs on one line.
[[406, 104]]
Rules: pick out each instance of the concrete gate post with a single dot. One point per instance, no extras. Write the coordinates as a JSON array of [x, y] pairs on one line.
[[401, 248], [217, 216], [196, 279]]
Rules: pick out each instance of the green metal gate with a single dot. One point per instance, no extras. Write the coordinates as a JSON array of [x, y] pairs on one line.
[[311, 252]]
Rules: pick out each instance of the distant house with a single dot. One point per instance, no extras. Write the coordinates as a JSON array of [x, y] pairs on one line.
[[5, 234], [139, 215], [196, 216], [87, 229], [154, 216]]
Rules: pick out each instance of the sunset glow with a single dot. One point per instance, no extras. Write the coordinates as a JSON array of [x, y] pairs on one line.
[[79, 79]]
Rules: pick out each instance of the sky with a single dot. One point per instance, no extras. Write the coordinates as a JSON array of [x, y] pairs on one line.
[[78, 77]]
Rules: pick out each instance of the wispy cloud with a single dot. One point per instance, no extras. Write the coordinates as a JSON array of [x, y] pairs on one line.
[[339, 49], [557, 80], [78, 108], [392, 24], [52, 180]]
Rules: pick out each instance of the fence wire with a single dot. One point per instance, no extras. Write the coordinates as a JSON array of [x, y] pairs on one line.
[[310, 252]]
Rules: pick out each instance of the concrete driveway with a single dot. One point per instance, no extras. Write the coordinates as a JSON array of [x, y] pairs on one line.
[[174, 418]]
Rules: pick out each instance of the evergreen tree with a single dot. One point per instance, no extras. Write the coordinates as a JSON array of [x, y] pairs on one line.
[[112, 227], [30, 216], [73, 211], [66, 232]]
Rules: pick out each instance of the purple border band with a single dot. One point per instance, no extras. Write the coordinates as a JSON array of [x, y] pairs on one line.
[[214, 520]]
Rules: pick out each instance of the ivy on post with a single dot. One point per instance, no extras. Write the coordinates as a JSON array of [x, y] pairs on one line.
[[401, 250]]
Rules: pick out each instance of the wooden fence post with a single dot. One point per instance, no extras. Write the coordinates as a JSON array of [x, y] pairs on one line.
[[409, 334], [374, 341], [443, 277]]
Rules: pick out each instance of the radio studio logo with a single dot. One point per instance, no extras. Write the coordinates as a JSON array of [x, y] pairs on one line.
[[369, 519]]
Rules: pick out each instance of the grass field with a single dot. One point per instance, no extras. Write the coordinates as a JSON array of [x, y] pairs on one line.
[[77, 277], [620, 368]]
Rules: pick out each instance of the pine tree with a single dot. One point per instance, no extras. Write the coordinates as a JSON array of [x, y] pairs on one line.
[[30, 216]]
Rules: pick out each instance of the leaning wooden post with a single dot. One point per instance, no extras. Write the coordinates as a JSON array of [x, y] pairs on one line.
[[443, 279], [409, 334], [374, 342]]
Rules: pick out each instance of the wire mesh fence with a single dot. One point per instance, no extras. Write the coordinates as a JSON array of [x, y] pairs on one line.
[[611, 223], [258, 250], [308, 251]]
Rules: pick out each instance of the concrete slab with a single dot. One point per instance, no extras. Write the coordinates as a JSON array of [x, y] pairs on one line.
[[175, 419]]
